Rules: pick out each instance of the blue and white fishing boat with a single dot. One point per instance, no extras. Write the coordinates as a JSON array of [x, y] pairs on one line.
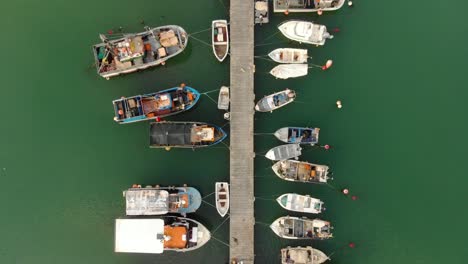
[[299, 135], [185, 135], [161, 200], [155, 105]]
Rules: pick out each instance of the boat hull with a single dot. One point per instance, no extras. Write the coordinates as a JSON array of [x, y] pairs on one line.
[[301, 171], [300, 203], [286, 71], [222, 198], [223, 98], [120, 104], [309, 32], [281, 6], [220, 39], [301, 228], [303, 255], [175, 135], [182, 38], [284, 152], [274, 101], [289, 55]]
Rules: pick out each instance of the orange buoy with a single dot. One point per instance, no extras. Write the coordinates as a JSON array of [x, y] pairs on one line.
[[121, 112], [320, 12], [286, 12], [182, 85]]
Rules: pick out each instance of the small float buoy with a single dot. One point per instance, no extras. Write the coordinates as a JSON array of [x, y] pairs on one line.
[[329, 64], [121, 112], [135, 186], [182, 85], [327, 147], [354, 197], [167, 148], [338, 104], [158, 119], [345, 191], [350, 3], [110, 32], [324, 67], [336, 30], [286, 12], [320, 12], [352, 245], [163, 63]]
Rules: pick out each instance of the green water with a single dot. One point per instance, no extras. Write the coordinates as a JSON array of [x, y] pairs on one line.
[[398, 142]]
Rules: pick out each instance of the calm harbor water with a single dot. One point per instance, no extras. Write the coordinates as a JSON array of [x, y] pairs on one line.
[[398, 143]]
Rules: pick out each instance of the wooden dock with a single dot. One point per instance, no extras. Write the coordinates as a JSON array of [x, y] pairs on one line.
[[241, 137]]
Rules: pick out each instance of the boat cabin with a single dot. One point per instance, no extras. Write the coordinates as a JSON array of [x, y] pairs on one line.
[[305, 5], [300, 135]]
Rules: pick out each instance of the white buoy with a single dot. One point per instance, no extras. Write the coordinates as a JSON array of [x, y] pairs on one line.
[[329, 63], [350, 3], [338, 104], [320, 12]]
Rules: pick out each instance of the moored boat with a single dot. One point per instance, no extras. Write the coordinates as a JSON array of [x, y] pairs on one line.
[[286, 71], [281, 6], [291, 227], [284, 152], [223, 98], [300, 135], [222, 198], [300, 203], [301, 171], [261, 12], [274, 101], [305, 32], [220, 39], [185, 135], [155, 105], [139, 51], [161, 200], [289, 55], [302, 255], [156, 235]]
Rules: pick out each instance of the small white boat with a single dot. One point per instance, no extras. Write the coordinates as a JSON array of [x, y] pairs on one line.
[[305, 32], [284, 152], [302, 255], [289, 55], [285, 71], [220, 39], [223, 98], [292, 6], [222, 197], [274, 101], [291, 227], [300, 135], [300, 203], [301, 171]]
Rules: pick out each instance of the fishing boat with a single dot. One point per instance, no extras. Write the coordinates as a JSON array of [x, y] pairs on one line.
[[281, 6], [305, 32], [302, 255], [291, 227], [161, 200], [156, 235], [138, 51], [155, 105], [286, 71], [284, 152], [185, 135], [301, 171], [289, 55], [261, 12], [223, 98], [300, 135], [274, 101], [222, 198], [220, 39], [300, 203]]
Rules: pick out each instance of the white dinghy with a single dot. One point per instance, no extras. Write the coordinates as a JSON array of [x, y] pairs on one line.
[[286, 71], [284, 152], [302, 255], [300, 203], [223, 98], [305, 32], [222, 197], [220, 39], [289, 55]]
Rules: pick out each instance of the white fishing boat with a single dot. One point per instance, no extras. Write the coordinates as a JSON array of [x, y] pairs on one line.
[[284, 152], [223, 98], [286, 71], [291, 227], [261, 12], [301, 171], [222, 198], [302, 255], [300, 203], [220, 39], [305, 32], [274, 101], [281, 6], [300, 135], [156, 235], [289, 55]]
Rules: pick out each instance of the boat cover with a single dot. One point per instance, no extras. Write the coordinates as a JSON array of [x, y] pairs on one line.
[[139, 235], [170, 134]]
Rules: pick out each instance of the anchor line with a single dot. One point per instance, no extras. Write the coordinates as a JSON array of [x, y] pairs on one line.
[[211, 98], [211, 91], [207, 195], [199, 32], [220, 241], [216, 229]]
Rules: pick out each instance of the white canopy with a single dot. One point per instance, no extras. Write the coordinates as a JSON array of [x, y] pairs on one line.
[[139, 235]]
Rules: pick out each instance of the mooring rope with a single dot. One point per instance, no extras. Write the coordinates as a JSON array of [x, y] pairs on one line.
[[206, 43], [199, 32], [274, 34], [212, 232], [207, 195], [220, 241], [211, 98]]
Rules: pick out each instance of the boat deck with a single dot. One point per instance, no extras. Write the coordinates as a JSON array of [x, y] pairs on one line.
[[241, 146]]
